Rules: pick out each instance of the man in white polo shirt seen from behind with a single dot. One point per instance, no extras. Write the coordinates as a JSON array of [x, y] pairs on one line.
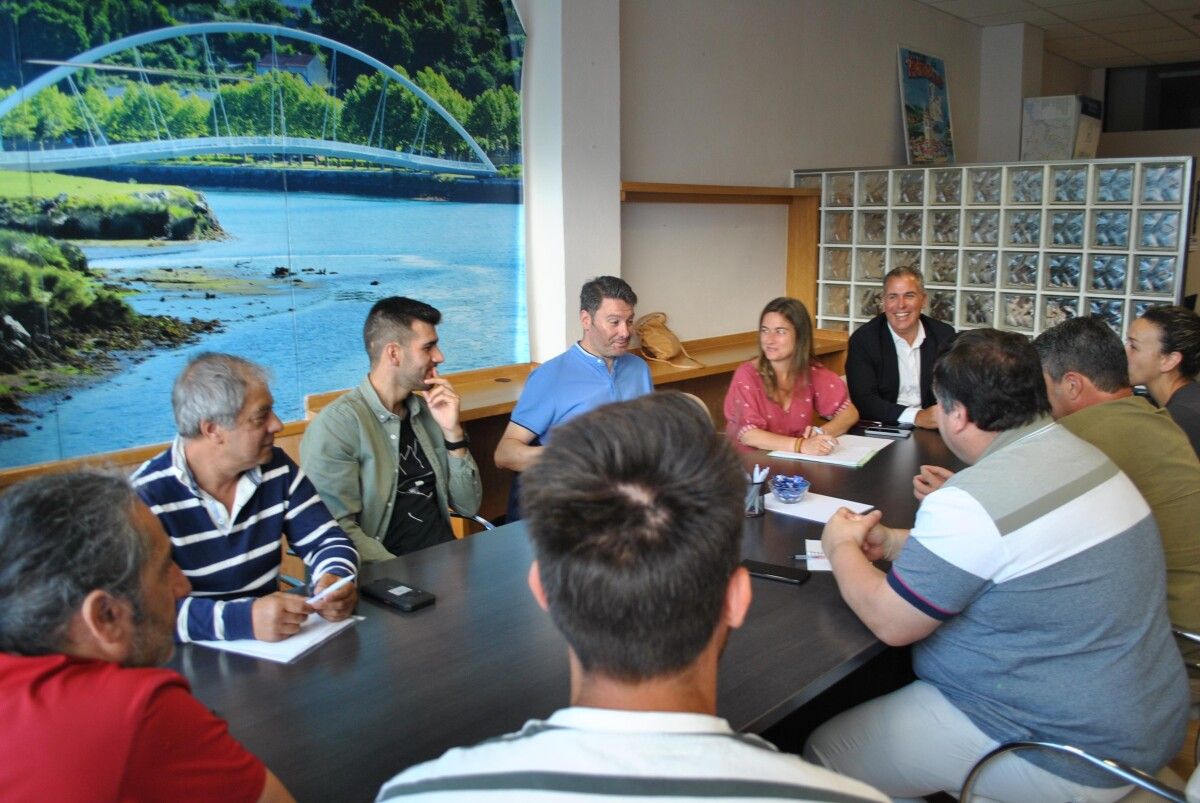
[[637, 564]]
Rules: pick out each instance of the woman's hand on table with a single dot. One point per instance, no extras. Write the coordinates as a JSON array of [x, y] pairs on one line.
[[816, 442]]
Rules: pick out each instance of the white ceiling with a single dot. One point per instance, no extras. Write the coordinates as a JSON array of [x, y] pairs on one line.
[[1097, 33]]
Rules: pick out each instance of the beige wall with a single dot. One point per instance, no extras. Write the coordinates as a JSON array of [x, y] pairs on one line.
[[571, 108], [722, 92], [1064, 77], [742, 92]]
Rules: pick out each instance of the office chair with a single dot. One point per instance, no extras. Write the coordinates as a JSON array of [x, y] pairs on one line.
[[480, 520], [1191, 660], [290, 583], [1124, 772]]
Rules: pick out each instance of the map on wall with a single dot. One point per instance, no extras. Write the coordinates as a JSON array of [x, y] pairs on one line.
[[1060, 127], [925, 107]]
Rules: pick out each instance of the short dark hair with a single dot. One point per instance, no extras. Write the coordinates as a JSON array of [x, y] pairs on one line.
[[1179, 330], [63, 536], [1086, 346], [390, 321], [635, 512], [905, 270], [593, 293], [996, 376]]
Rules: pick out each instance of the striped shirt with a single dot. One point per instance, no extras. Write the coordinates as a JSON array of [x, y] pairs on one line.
[[232, 557], [1045, 567], [582, 754]]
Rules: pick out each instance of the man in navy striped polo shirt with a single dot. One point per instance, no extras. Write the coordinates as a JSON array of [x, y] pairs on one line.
[[227, 497]]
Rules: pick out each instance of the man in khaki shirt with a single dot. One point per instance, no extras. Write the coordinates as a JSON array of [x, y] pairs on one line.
[[1083, 363], [388, 463]]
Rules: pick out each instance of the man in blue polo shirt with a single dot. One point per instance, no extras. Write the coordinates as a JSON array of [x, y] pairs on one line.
[[597, 370]]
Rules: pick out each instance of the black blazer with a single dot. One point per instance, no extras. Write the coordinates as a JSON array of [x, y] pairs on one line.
[[873, 374]]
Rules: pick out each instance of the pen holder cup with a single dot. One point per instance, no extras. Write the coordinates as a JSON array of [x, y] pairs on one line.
[[755, 504]]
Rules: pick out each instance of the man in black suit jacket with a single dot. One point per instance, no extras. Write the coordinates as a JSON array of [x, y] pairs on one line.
[[877, 347]]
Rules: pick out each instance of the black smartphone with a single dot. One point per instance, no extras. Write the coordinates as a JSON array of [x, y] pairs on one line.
[[770, 571], [396, 594], [888, 432]]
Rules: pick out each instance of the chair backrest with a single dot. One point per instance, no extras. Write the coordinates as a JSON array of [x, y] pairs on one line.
[[1130, 775]]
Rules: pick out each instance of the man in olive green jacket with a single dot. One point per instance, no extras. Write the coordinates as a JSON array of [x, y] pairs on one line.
[[388, 463]]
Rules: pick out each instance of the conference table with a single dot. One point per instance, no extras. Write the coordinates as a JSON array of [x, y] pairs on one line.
[[396, 689]]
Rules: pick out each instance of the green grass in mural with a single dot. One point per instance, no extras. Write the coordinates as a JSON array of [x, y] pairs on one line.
[[19, 184], [75, 208]]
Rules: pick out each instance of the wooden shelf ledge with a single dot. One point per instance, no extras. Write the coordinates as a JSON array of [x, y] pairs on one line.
[[650, 192], [488, 397], [722, 355]]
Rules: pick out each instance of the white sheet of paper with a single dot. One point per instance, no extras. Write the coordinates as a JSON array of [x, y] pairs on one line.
[[817, 562], [814, 507], [852, 450], [314, 631]]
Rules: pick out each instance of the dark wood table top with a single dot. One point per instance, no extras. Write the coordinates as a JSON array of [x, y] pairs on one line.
[[397, 689]]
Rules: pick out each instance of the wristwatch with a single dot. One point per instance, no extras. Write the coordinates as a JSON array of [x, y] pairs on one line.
[[465, 442]]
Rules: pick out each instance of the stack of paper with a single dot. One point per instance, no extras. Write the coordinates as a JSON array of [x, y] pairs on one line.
[[852, 450], [817, 562], [314, 631], [814, 507]]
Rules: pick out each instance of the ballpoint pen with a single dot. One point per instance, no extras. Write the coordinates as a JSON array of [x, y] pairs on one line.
[[322, 594]]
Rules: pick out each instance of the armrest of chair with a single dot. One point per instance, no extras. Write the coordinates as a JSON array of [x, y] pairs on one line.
[[1186, 635], [1189, 645], [480, 520], [1126, 773]]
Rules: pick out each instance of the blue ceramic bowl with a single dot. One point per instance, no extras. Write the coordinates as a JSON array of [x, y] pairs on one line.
[[789, 488]]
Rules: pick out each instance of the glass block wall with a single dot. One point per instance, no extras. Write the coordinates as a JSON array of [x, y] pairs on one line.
[[1017, 246]]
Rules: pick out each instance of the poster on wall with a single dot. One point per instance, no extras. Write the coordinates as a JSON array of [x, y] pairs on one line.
[[925, 108], [245, 177]]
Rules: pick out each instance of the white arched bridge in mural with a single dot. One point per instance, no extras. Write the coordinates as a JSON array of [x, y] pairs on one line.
[[99, 151]]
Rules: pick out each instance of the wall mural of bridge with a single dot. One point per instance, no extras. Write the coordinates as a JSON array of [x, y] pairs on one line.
[[99, 151], [171, 184]]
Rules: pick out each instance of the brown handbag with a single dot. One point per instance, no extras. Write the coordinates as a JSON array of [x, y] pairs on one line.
[[659, 343]]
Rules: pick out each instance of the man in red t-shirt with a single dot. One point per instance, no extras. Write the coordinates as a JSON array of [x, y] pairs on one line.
[[87, 610]]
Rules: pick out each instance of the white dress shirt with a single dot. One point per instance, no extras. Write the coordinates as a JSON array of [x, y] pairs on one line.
[[908, 359]]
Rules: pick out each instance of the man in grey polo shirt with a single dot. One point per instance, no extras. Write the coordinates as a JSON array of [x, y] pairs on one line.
[[388, 463], [1033, 589]]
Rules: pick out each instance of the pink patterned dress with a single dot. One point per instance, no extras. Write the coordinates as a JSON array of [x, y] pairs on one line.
[[747, 405]]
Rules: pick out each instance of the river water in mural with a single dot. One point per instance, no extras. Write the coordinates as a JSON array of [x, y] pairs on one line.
[[341, 254]]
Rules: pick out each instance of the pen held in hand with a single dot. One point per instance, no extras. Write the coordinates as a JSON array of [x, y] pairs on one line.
[[320, 595]]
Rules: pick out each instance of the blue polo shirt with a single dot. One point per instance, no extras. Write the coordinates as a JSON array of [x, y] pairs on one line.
[[575, 382]]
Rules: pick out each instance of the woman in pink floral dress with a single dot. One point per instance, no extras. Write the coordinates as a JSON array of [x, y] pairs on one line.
[[773, 400]]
